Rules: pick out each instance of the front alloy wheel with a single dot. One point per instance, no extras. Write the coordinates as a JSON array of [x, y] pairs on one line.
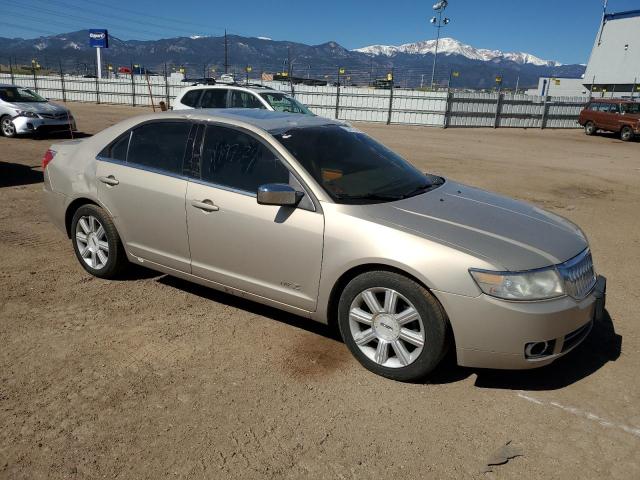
[[393, 325], [391, 332], [590, 128], [7, 127]]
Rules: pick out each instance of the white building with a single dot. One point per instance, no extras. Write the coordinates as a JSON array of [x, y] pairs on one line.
[[559, 87], [614, 65]]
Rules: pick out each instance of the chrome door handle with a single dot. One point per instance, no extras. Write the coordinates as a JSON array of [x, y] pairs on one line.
[[206, 205], [110, 180]]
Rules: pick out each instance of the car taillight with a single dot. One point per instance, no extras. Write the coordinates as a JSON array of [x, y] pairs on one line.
[[48, 156]]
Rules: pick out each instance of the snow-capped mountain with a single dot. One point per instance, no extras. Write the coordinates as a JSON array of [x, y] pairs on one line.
[[451, 46]]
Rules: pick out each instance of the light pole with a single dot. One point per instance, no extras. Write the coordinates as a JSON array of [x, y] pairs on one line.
[[438, 22]]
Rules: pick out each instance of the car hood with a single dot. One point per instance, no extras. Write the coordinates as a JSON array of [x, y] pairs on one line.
[[39, 107], [510, 234]]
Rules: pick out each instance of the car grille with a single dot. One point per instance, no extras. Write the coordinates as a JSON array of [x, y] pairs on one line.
[[54, 116], [578, 275]]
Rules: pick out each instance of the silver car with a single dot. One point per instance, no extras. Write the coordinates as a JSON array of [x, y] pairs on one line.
[[314, 217], [23, 111]]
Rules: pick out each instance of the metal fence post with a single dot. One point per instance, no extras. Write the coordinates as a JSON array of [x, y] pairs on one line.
[[64, 93], [13, 80], [338, 95], [390, 98], [133, 88], [35, 79], [97, 84], [447, 111], [545, 108], [499, 100], [166, 86], [633, 88]]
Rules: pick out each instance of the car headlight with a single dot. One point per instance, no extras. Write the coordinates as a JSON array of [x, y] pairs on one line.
[[22, 113], [529, 285]]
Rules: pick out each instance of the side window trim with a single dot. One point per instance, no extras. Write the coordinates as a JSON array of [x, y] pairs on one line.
[[306, 190], [147, 168], [110, 146]]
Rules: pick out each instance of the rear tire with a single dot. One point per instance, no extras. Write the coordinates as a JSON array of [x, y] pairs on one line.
[[96, 242], [626, 134], [7, 127], [590, 128], [405, 338]]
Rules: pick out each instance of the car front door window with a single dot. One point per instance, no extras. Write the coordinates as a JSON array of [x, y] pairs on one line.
[[236, 160]]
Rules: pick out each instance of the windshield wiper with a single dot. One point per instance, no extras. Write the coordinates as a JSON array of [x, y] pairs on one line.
[[370, 196], [418, 190]]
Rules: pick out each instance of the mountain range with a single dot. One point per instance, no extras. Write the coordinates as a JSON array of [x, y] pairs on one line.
[[412, 62]]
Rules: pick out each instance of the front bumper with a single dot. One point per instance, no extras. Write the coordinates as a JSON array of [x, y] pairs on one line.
[[26, 125], [493, 333]]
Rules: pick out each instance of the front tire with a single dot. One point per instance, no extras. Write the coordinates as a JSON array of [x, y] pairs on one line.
[[392, 325], [590, 128], [7, 127], [626, 134], [96, 242]]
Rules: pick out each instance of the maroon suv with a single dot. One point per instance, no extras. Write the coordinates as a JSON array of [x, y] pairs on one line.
[[612, 115]]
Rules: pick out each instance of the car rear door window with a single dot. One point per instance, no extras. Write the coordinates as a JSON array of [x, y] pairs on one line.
[[214, 98], [159, 145], [190, 99], [234, 159], [117, 150], [240, 99]]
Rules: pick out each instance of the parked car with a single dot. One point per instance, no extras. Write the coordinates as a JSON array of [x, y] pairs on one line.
[[236, 96], [611, 115], [23, 111], [314, 217]]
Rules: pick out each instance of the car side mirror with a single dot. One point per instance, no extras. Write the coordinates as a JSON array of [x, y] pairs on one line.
[[279, 194]]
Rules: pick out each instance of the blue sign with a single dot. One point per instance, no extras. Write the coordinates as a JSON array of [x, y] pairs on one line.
[[98, 38]]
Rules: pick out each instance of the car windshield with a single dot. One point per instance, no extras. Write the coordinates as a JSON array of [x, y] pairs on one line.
[[354, 168], [282, 103], [631, 108], [17, 94]]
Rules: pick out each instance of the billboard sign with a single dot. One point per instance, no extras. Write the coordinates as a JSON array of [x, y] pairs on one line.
[[98, 38]]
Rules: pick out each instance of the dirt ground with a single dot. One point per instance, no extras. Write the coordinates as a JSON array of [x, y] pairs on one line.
[[152, 377]]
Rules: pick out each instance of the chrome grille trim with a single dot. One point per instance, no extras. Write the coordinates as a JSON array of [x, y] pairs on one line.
[[578, 275], [53, 116]]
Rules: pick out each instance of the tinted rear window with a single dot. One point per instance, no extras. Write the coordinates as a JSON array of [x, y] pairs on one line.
[[190, 99], [159, 145]]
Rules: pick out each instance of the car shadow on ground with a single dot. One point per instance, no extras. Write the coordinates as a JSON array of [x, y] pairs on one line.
[[252, 307], [15, 174], [603, 345]]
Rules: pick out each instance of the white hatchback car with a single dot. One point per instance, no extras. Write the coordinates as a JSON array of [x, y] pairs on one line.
[[236, 96]]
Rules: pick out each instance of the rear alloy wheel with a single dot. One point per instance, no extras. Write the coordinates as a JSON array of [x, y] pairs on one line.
[[7, 127], [96, 242], [392, 325], [590, 128], [626, 134]]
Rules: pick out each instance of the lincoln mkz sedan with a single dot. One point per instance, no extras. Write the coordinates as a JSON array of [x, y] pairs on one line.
[[314, 217]]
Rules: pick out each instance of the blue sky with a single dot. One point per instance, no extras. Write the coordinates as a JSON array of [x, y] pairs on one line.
[[561, 30]]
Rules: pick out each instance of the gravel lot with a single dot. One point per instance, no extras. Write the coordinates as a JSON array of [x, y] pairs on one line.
[[152, 377]]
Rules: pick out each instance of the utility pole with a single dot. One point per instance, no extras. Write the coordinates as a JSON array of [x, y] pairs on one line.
[[226, 52], [438, 22]]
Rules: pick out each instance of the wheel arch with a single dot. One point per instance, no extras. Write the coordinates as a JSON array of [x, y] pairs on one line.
[[353, 272], [71, 210]]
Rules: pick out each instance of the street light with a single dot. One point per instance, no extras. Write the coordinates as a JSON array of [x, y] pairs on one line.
[[438, 22]]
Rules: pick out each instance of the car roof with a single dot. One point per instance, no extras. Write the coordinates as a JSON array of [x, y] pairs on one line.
[[253, 88], [272, 122], [3, 85]]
